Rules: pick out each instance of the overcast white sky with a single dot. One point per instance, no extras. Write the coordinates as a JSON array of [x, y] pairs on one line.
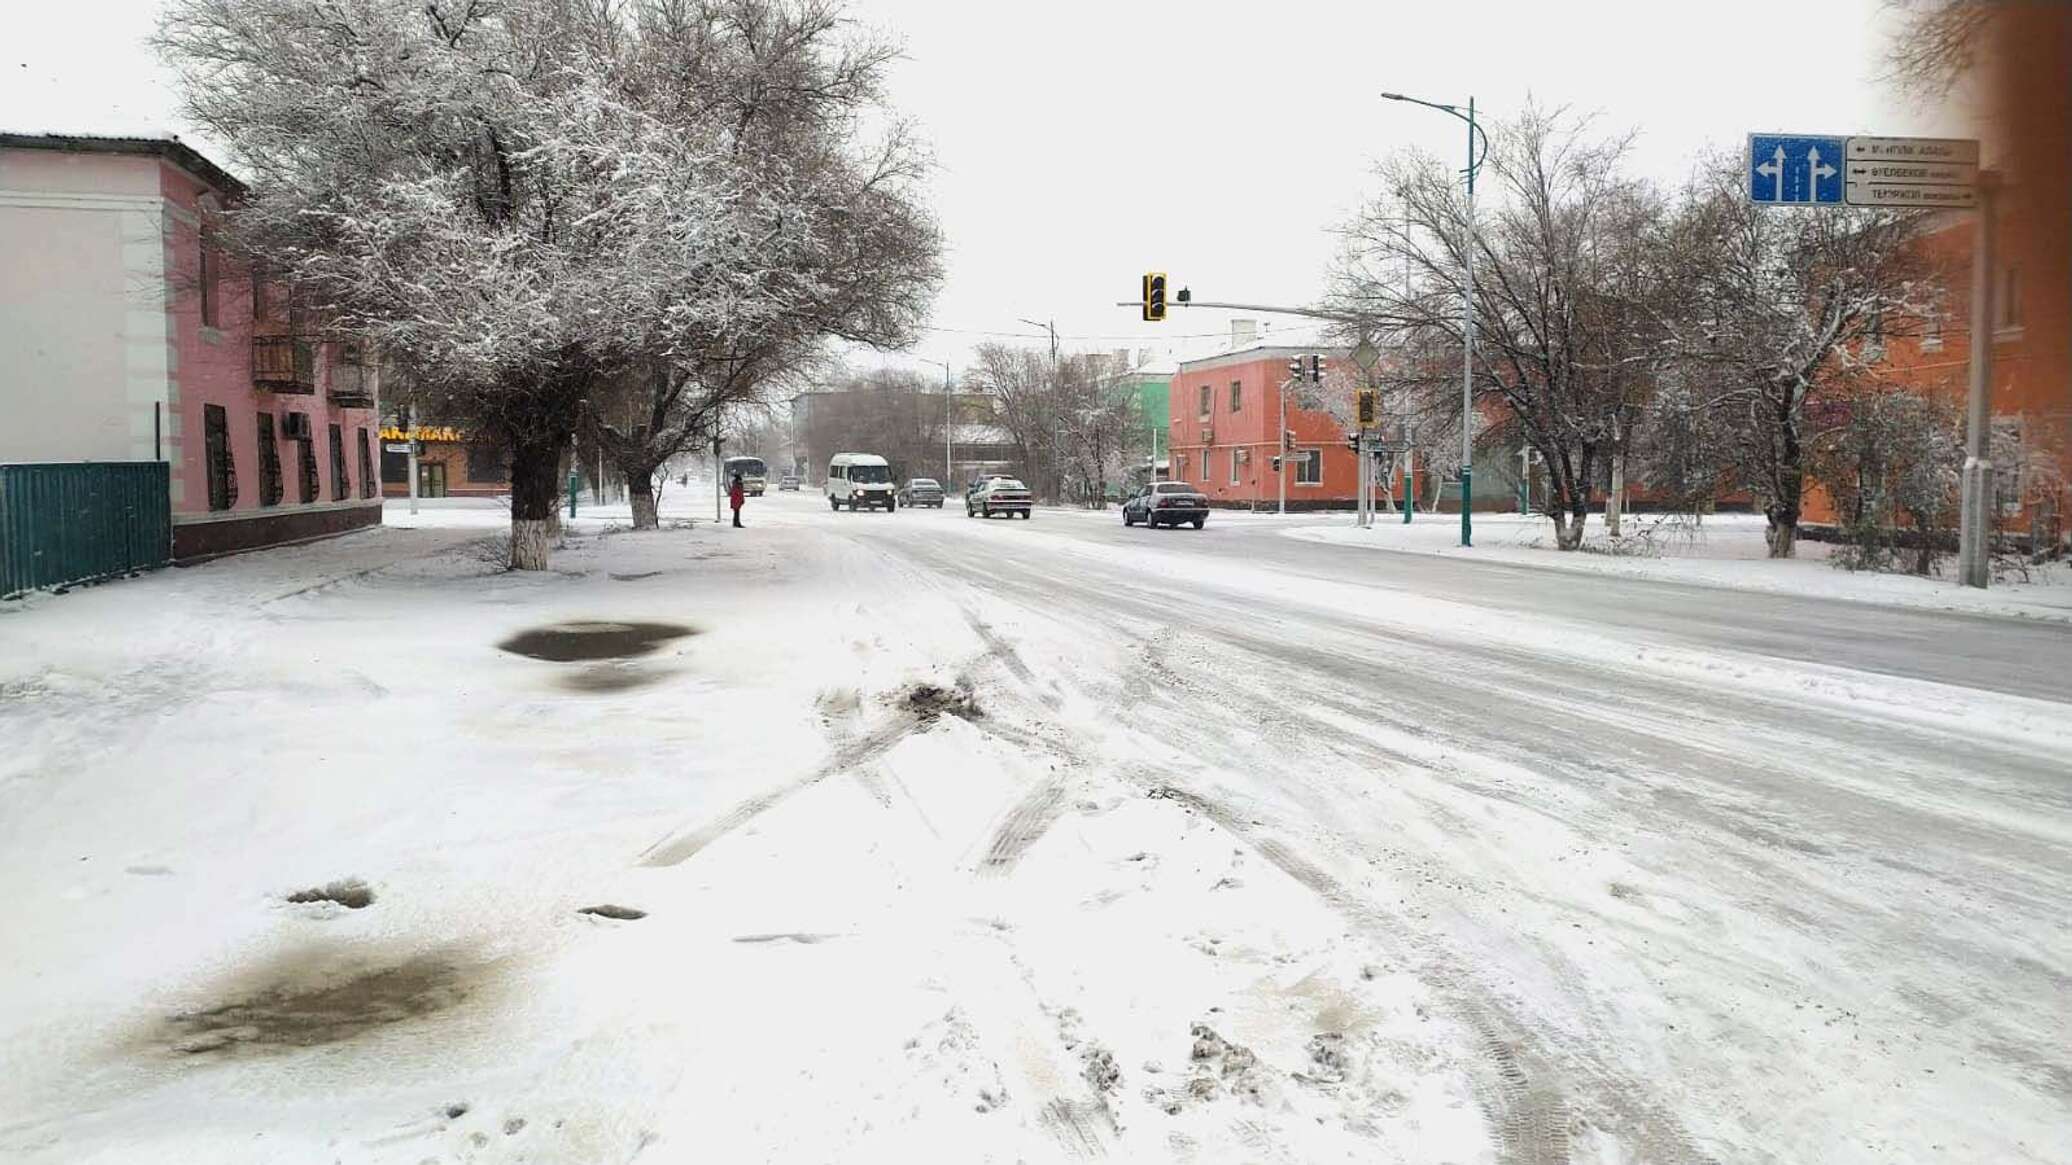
[[1084, 142]]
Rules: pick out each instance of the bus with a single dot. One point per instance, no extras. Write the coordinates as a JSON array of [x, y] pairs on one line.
[[755, 475]]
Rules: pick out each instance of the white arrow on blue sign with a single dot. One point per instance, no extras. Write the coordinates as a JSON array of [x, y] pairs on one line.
[[1796, 169]]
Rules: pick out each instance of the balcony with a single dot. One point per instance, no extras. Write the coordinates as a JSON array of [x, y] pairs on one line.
[[350, 386], [284, 364]]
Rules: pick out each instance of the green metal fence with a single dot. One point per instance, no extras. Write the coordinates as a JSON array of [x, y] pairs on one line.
[[67, 523]]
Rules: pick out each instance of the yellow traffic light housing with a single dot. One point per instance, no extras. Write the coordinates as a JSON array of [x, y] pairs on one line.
[[1154, 296]]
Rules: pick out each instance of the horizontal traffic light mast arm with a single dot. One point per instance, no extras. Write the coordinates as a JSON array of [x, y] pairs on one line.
[[1311, 312]]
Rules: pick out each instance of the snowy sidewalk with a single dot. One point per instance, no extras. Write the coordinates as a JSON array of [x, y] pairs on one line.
[[1728, 551]]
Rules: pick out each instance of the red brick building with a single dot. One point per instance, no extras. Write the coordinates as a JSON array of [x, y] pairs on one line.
[[1223, 419]]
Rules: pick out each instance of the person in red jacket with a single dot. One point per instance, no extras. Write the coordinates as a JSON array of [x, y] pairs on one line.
[[734, 495]]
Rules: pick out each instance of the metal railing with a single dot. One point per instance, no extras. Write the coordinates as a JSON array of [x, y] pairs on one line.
[[284, 364]]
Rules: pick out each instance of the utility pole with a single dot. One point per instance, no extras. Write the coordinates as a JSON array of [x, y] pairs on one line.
[[1975, 514], [948, 473], [410, 439]]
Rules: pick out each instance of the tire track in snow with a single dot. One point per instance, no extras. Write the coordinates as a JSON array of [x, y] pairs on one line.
[[1530, 1114], [677, 848], [1029, 820]]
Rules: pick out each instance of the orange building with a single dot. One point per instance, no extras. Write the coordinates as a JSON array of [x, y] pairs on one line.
[[2024, 117], [1223, 416]]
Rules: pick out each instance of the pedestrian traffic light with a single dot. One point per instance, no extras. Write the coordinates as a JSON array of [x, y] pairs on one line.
[[1352, 442], [1276, 465], [1154, 296], [1367, 408]]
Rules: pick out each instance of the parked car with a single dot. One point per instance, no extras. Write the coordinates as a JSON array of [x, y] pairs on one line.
[[921, 491], [789, 481], [860, 481], [997, 495], [1166, 503]]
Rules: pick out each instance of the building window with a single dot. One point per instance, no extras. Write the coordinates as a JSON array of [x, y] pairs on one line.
[[209, 277], [215, 426], [1233, 465], [270, 487], [2007, 306], [1237, 395], [486, 464], [1205, 391], [306, 460], [340, 488], [1309, 467], [367, 483], [1931, 332]]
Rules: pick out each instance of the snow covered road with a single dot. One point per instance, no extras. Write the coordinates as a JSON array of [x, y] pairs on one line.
[[1044, 840]]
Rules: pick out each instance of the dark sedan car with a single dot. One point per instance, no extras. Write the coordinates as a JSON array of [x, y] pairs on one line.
[[1166, 503]]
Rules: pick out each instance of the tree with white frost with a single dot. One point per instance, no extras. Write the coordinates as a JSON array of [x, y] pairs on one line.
[[1776, 310], [497, 194], [839, 243], [1559, 253]]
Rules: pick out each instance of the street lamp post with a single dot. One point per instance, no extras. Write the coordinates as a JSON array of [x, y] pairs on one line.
[[1057, 475], [948, 472], [1467, 364]]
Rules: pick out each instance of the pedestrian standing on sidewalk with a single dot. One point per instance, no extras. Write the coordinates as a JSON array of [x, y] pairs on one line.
[[734, 495]]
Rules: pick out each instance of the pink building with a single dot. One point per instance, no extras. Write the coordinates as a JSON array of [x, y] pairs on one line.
[[124, 337], [1224, 430]]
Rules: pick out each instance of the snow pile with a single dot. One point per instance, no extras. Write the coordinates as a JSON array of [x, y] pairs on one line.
[[1726, 551]]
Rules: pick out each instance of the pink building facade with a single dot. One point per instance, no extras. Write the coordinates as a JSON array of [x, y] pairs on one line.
[[124, 338]]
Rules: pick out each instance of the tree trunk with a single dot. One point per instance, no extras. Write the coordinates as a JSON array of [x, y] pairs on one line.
[[640, 488], [535, 464], [1568, 525], [1784, 529]]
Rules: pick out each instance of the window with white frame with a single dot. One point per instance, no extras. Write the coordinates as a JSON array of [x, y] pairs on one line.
[[1309, 467], [2007, 304], [1931, 331], [1205, 391], [1237, 395], [1233, 464]]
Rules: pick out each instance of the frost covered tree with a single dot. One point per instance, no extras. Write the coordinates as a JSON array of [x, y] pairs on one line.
[[1775, 310], [1561, 350], [824, 194], [1890, 459], [524, 209]]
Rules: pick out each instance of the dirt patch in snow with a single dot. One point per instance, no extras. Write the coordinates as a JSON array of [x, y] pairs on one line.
[[350, 893], [304, 1000], [929, 702], [609, 910], [586, 640]]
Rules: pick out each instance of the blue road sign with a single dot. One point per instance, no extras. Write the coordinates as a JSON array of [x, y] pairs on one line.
[[1796, 169]]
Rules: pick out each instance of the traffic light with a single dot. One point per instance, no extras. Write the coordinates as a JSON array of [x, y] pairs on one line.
[[1276, 465], [1154, 296], [1295, 368], [1316, 368], [1287, 439], [1367, 410], [1352, 442]]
